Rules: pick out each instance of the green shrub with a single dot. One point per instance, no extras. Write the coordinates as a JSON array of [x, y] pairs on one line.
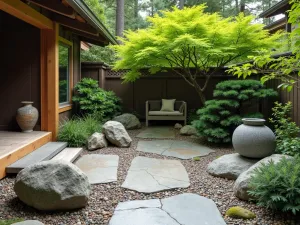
[[95, 101], [277, 186], [220, 116], [287, 131], [76, 131], [191, 116]]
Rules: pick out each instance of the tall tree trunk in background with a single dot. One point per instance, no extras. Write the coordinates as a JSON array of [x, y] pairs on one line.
[[136, 9], [181, 4], [242, 6], [120, 18], [237, 7], [152, 8]]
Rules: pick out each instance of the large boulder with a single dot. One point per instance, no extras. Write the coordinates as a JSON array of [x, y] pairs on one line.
[[96, 141], [241, 185], [230, 166], [116, 134], [128, 120], [53, 185], [188, 130]]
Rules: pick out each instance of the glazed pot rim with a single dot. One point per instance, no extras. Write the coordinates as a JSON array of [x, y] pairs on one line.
[[254, 121], [27, 102]]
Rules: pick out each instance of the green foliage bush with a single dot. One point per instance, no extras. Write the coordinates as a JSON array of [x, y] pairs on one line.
[[287, 131], [220, 116], [95, 101], [11, 221], [77, 130], [277, 186]]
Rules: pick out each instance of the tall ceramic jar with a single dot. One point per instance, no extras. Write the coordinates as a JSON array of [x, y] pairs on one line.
[[253, 139], [27, 116]]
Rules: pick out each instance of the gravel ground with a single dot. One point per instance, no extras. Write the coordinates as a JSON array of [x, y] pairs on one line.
[[105, 197]]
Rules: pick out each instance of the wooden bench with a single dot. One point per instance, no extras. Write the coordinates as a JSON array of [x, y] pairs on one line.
[[153, 111]]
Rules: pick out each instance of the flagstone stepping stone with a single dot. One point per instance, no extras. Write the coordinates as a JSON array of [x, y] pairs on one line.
[[99, 168], [157, 132], [150, 175], [187, 209], [174, 148], [29, 222]]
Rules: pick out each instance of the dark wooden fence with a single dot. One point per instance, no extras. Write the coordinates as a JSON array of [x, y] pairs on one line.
[[284, 96], [166, 85], [158, 86]]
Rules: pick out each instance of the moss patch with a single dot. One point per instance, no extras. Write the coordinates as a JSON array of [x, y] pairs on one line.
[[10, 221], [240, 213], [197, 158]]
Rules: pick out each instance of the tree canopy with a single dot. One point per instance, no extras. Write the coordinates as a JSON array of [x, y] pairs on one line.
[[196, 42]]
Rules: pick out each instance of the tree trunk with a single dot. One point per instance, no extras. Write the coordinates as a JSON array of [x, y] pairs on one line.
[[237, 6], [136, 8], [243, 6], [152, 8], [201, 95], [181, 4], [120, 18]]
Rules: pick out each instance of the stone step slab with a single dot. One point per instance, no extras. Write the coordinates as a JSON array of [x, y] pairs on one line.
[[150, 175], [43, 153], [99, 168], [187, 209], [68, 154]]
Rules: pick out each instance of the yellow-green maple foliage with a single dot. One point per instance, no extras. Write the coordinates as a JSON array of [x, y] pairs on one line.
[[193, 41]]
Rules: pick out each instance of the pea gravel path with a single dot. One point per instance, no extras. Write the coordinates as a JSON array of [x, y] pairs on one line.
[[105, 197]]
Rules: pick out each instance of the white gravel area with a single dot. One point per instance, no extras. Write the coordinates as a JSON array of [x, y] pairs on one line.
[[105, 197]]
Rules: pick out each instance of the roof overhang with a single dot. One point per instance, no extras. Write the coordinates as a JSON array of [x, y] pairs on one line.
[[278, 8], [77, 17], [277, 25]]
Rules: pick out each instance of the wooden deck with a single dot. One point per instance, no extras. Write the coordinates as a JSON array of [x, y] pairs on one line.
[[15, 145]]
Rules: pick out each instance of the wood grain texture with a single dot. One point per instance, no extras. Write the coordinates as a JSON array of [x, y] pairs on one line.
[[18, 144]]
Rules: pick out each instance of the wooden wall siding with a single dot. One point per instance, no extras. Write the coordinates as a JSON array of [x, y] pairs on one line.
[[284, 96], [163, 85], [20, 68]]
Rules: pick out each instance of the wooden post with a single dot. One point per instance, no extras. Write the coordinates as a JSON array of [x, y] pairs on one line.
[[49, 81]]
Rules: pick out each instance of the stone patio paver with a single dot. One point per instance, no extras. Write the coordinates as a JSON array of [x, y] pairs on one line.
[[174, 148], [99, 168], [157, 132], [152, 175], [187, 209]]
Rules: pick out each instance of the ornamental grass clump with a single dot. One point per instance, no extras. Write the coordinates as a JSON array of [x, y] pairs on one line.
[[277, 186], [220, 116], [77, 130]]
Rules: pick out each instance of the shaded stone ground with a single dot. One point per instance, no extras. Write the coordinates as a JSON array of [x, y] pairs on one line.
[[105, 197], [174, 148], [157, 132]]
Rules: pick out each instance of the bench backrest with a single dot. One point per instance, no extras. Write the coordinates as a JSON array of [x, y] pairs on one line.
[[155, 105]]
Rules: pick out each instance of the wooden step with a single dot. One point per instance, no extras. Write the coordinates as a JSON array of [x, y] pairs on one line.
[[68, 154], [43, 153]]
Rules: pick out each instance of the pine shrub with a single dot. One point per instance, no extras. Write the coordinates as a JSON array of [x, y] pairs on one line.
[[77, 130], [95, 101], [277, 186], [287, 131], [220, 116]]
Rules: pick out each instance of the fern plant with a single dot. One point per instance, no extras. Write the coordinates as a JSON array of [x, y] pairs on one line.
[[277, 186], [220, 116], [95, 101]]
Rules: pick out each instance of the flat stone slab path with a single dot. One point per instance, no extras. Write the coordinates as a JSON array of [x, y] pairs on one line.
[[157, 132], [174, 148], [99, 168], [150, 175], [187, 209]]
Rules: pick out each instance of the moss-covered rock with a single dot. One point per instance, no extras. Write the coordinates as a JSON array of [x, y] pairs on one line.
[[240, 213]]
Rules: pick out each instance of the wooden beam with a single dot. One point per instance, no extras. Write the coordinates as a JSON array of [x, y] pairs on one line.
[[24, 12], [75, 24], [93, 39], [55, 6], [49, 81]]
